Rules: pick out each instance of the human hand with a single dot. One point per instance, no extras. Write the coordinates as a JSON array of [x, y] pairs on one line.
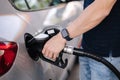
[[54, 46]]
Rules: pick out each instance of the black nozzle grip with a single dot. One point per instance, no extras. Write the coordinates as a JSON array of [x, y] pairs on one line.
[[34, 48]]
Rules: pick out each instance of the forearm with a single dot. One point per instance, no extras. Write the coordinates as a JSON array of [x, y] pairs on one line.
[[90, 17]]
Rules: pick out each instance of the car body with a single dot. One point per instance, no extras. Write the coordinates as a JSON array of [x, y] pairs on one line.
[[13, 25]]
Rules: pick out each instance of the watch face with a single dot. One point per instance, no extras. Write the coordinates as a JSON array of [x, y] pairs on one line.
[[64, 33]]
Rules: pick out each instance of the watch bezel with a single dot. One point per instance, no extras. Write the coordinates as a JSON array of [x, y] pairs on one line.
[[65, 34]]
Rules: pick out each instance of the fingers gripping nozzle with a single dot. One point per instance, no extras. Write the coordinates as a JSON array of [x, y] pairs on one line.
[[35, 44]]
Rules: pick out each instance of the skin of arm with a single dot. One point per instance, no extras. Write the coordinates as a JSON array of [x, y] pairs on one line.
[[88, 19]]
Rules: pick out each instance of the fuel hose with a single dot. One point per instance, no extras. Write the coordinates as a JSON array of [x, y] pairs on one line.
[[79, 52]]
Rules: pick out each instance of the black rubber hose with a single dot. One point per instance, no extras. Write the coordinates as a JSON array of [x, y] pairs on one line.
[[79, 52]]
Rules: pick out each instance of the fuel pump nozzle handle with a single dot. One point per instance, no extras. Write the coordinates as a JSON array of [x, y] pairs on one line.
[[34, 46]]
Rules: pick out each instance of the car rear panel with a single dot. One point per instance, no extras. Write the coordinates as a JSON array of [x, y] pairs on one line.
[[13, 25]]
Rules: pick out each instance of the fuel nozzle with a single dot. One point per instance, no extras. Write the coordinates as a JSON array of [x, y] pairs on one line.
[[35, 44]]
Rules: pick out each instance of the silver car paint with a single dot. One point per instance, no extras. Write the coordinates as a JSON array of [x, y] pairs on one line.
[[13, 25]]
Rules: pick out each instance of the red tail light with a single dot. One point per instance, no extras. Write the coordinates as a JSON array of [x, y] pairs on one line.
[[8, 52]]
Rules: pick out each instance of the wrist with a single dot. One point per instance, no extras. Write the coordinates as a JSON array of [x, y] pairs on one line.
[[61, 38]]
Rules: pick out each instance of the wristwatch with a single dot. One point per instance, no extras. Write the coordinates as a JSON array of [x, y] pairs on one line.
[[65, 34]]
